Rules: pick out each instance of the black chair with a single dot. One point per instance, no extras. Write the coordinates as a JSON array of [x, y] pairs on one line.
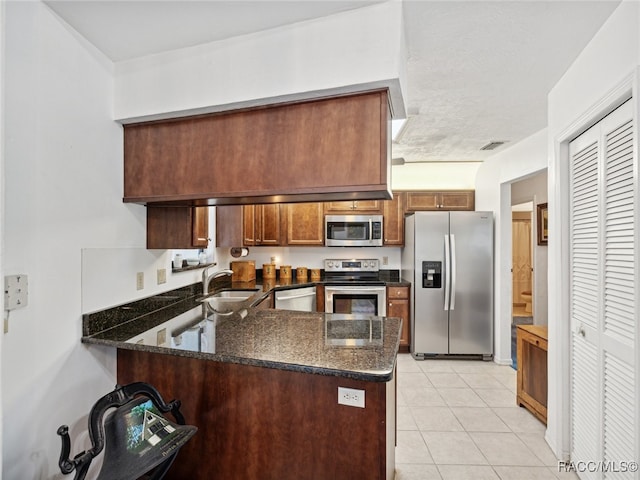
[[138, 441]]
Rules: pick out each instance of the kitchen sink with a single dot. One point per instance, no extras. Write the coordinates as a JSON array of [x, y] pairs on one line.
[[231, 295], [224, 302]]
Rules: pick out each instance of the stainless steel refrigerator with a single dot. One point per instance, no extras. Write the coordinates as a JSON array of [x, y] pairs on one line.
[[448, 256]]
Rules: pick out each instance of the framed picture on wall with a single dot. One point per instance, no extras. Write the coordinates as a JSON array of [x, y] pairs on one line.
[[543, 224]]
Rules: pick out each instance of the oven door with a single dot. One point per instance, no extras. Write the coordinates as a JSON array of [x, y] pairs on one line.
[[356, 299]]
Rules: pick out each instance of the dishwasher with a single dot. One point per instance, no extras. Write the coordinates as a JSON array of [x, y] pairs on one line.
[[301, 299]]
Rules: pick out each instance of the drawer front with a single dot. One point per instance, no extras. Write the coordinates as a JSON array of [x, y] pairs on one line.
[[397, 292]]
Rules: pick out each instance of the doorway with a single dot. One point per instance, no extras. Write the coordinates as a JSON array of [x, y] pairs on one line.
[[522, 260]]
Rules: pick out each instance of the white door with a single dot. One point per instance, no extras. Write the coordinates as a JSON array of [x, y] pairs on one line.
[[604, 315]]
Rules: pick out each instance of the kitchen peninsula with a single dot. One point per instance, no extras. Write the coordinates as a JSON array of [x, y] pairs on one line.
[[262, 385]]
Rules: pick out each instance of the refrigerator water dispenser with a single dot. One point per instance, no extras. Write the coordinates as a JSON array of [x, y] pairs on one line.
[[431, 274]]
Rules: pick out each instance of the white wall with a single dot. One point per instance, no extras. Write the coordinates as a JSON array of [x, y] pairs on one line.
[[603, 74], [335, 53], [434, 176], [63, 174], [493, 193]]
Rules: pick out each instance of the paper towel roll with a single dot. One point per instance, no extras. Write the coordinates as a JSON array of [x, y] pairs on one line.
[[238, 252]]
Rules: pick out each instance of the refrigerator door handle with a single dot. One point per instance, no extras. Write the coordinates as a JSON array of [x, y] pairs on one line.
[[453, 271], [447, 265]]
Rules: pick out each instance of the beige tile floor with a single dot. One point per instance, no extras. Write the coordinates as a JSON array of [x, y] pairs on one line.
[[458, 419]]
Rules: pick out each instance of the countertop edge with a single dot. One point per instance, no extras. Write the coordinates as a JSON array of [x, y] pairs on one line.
[[379, 377]]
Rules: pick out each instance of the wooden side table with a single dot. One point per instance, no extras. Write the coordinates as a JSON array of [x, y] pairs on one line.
[[532, 369]]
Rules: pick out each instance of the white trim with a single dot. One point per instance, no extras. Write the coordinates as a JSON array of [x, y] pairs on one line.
[[558, 433]]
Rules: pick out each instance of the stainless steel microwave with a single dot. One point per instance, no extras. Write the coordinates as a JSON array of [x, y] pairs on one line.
[[353, 230]]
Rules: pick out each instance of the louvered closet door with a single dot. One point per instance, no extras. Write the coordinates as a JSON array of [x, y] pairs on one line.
[[602, 295]]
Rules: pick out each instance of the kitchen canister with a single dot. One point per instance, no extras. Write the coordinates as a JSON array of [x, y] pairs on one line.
[[315, 274], [285, 271], [301, 273], [177, 261], [268, 270]]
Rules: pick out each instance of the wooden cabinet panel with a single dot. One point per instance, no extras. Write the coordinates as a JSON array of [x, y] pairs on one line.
[[304, 224], [336, 147], [444, 200], [265, 424], [465, 200], [398, 306], [177, 227], [353, 207], [393, 211], [532, 369], [261, 225], [229, 221], [268, 225], [249, 233]]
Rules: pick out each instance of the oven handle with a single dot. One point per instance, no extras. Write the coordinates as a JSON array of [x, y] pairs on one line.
[[355, 288]]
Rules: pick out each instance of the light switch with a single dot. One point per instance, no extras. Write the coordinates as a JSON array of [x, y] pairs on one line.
[[16, 288]]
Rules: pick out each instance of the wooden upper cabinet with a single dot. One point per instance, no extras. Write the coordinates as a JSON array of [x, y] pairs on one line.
[[261, 225], [229, 221], [334, 147], [304, 224], [393, 227], [177, 227], [353, 207], [440, 200]]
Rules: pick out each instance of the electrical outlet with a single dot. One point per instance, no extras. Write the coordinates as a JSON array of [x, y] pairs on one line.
[[162, 275], [161, 337], [351, 397], [139, 280], [385, 260]]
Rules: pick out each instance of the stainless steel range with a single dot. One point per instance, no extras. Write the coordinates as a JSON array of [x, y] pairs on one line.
[[353, 286]]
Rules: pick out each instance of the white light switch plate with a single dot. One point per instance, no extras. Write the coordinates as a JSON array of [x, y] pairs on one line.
[[16, 288]]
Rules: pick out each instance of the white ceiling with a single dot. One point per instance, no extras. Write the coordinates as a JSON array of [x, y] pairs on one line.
[[478, 71]]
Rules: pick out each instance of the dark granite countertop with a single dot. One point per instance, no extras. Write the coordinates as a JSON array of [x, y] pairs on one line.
[[360, 347]]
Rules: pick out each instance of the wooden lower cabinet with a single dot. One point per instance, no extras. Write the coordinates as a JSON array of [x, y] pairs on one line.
[[531, 347], [177, 227], [398, 305], [258, 423]]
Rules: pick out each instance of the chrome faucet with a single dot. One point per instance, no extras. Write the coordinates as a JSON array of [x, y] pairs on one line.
[[207, 277]]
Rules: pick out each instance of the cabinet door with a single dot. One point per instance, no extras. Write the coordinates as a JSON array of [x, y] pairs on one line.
[[332, 208], [353, 207], [249, 225], [393, 211], [420, 201], [200, 231], [461, 200], [304, 223], [367, 206], [398, 306], [440, 200], [177, 227], [229, 226], [267, 219]]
